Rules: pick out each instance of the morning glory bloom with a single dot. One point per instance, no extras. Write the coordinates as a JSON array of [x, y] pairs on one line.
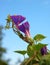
[[25, 28], [44, 50], [17, 19]]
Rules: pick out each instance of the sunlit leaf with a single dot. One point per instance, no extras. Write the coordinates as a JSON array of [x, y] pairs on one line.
[[39, 37], [21, 52], [39, 46], [30, 50]]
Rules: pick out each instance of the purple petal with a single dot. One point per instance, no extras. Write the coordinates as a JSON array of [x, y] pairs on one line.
[[44, 50], [24, 27], [17, 19], [21, 28]]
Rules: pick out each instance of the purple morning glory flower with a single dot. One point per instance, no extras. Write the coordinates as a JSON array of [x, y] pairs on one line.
[[25, 28], [17, 19], [44, 50]]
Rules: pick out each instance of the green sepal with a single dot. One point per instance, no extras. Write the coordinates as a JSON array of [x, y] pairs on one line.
[[7, 27]]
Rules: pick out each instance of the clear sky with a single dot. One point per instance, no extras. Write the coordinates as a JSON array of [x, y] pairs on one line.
[[37, 12]]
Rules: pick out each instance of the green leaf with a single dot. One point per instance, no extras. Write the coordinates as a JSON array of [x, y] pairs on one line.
[[39, 46], [30, 50], [46, 57], [45, 60], [39, 37], [21, 52]]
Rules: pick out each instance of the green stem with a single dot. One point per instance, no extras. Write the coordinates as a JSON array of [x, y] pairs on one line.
[[30, 60]]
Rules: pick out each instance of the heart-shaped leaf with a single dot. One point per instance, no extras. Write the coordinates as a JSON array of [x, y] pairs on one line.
[[39, 37]]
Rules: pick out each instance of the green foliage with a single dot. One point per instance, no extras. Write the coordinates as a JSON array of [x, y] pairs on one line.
[[39, 46], [46, 57], [39, 37], [3, 62], [2, 50], [30, 50], [44, 62], [21, 52], [33, 62]]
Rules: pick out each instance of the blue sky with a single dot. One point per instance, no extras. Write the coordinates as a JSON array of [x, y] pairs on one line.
[[37, 12]]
